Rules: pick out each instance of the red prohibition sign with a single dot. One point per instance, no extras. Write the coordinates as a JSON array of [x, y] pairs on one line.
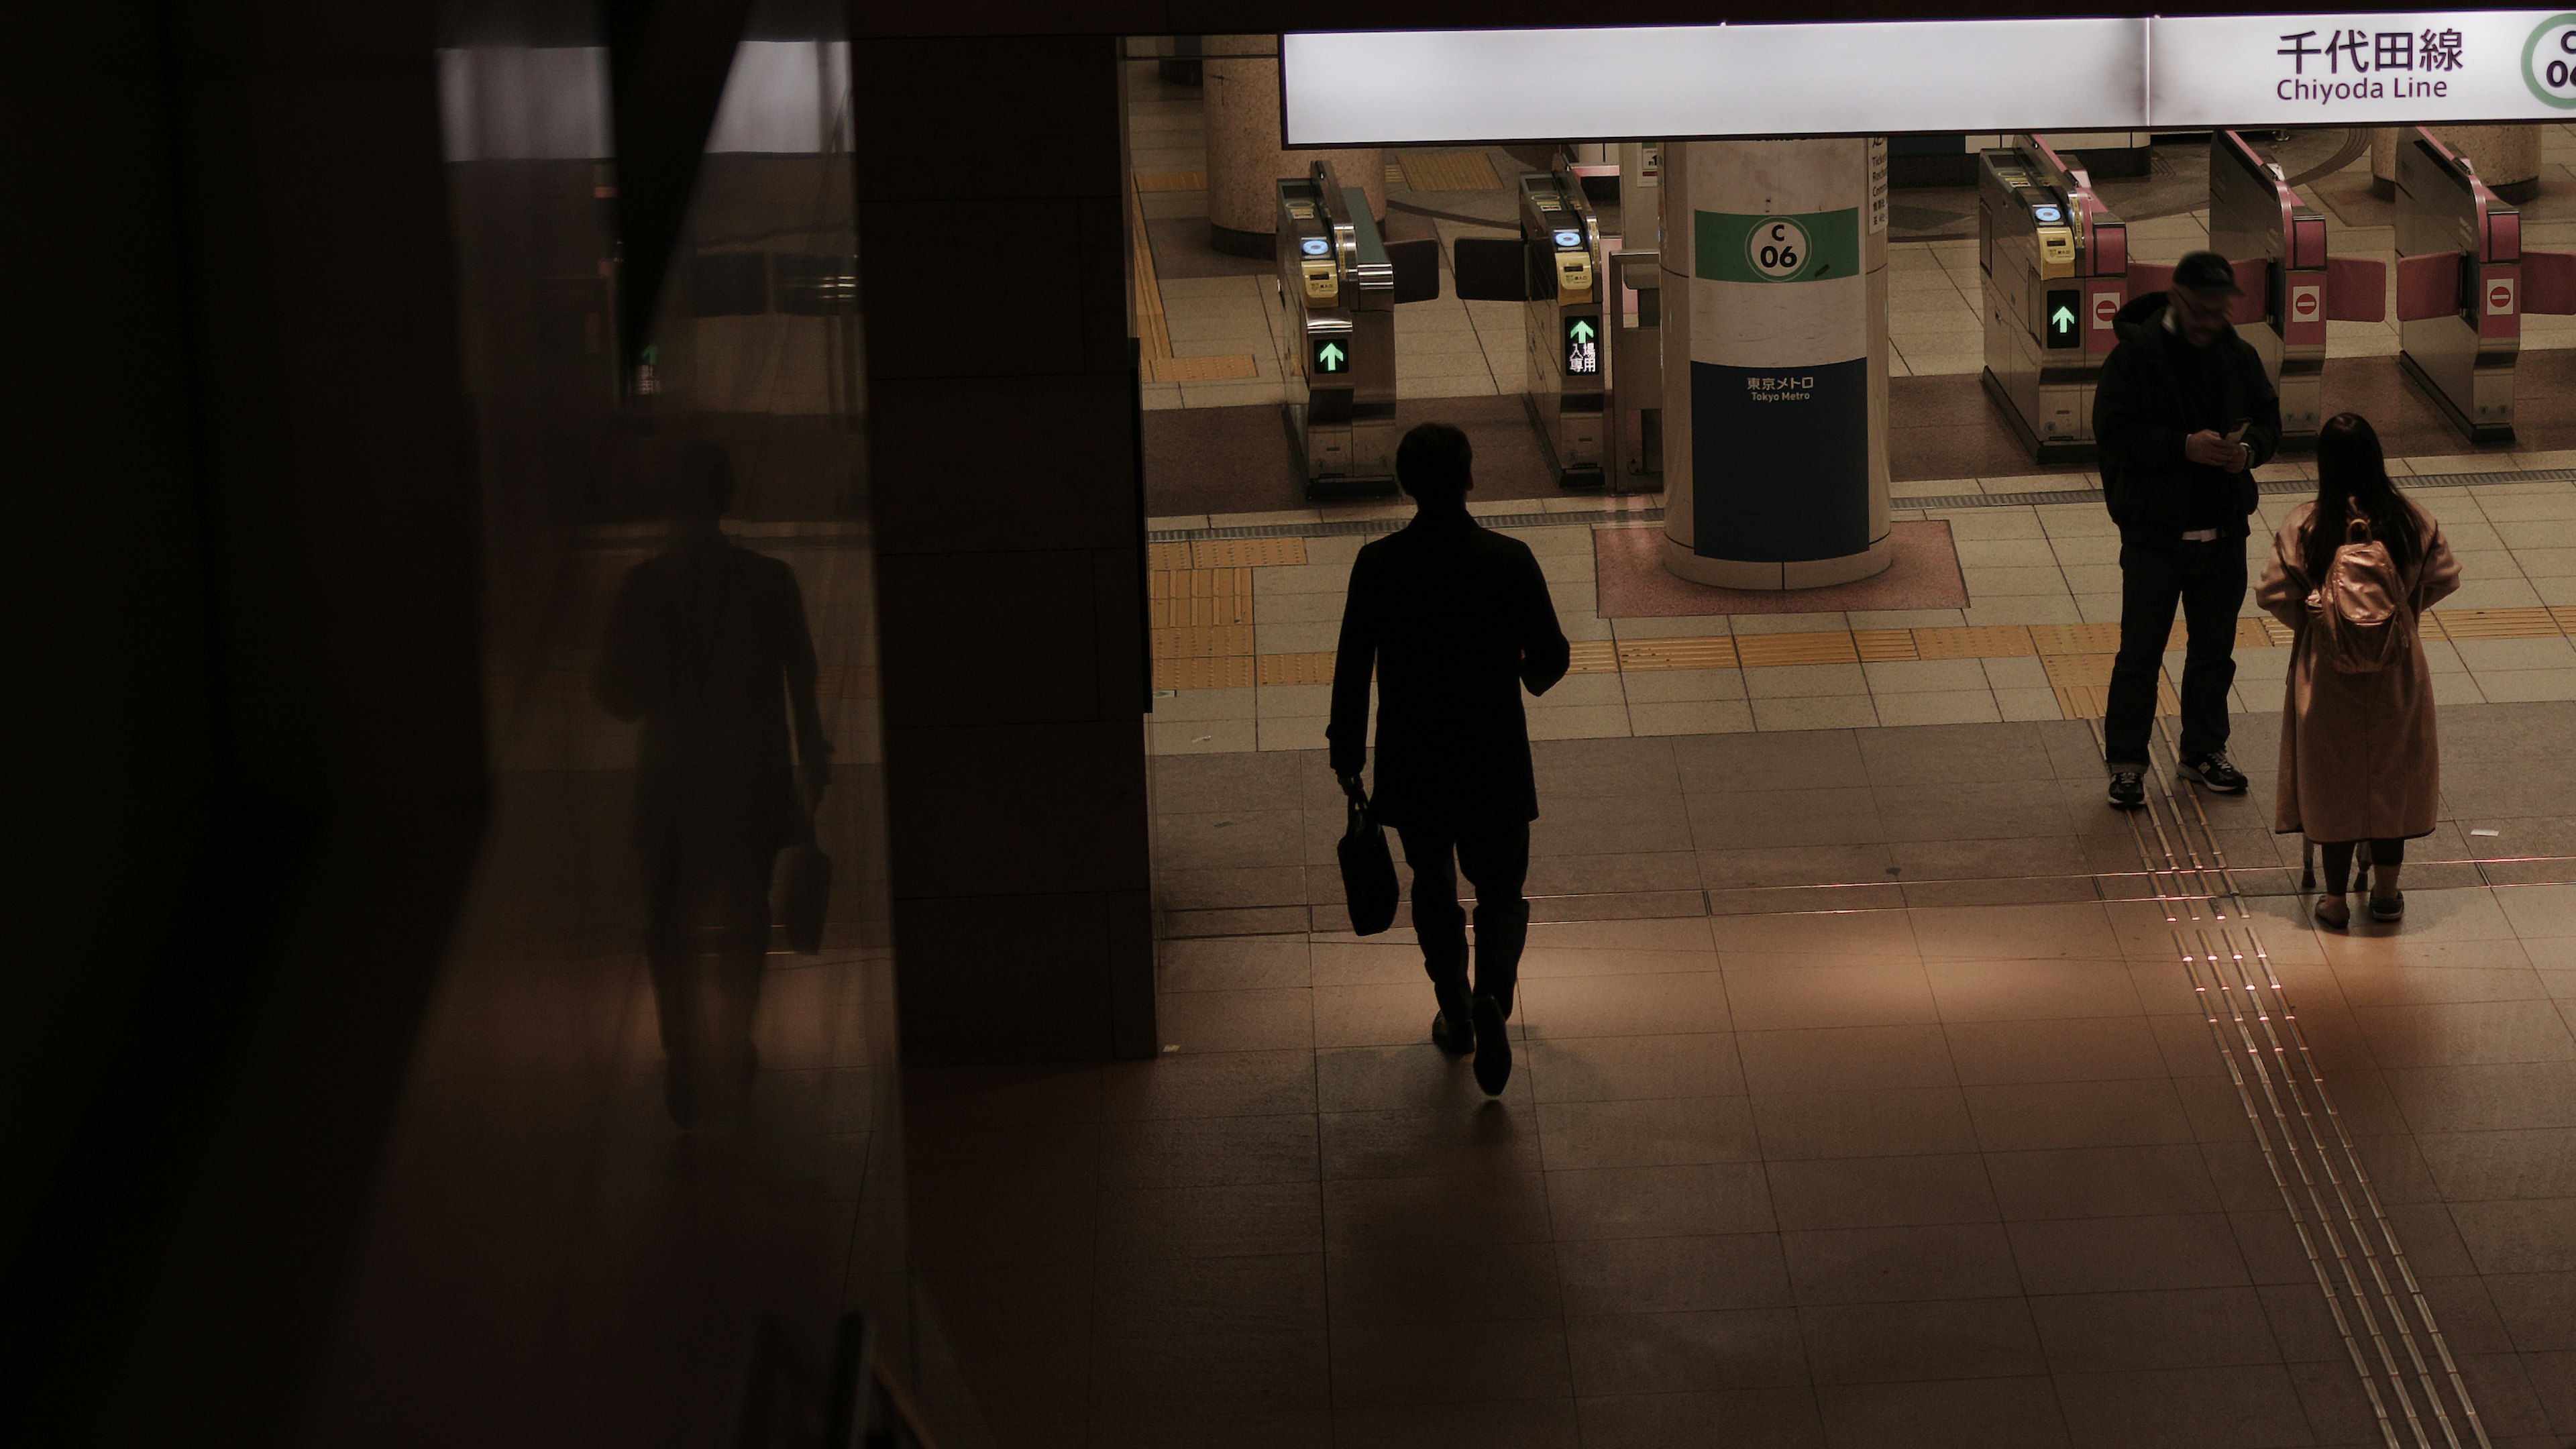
[[2499, 297], [2105, 307], [2306, 305]]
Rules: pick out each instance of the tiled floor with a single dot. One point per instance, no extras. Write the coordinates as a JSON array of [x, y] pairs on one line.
[[1877, 1085], [2032, 643], [1976, 1175]]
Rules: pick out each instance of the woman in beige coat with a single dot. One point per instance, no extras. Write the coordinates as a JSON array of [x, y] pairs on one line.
[[2358, 757]]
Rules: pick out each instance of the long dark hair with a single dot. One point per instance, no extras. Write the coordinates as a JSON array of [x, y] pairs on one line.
[[2352, 477]]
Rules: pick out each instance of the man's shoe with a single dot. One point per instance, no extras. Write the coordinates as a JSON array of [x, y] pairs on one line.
[[2213, 771], [1493, 1046], [2128, 789], [1453, 1029]]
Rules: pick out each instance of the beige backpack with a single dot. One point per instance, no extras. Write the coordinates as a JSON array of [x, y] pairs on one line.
[[2360, 605]]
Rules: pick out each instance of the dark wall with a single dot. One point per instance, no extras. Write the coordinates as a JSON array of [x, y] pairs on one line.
[[239, 457], [331, 1071], [1010, 543]]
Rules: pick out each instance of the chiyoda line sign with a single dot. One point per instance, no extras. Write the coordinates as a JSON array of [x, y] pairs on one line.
[[1871, 77]]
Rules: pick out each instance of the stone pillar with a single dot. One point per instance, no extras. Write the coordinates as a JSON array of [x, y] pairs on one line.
[[2507, 156], [1010, 533], [1244, 157], [1775, 374]]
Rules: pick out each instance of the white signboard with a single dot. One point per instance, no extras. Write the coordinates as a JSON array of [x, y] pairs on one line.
[[1877, 77], [1357, 88], [2362, 69]]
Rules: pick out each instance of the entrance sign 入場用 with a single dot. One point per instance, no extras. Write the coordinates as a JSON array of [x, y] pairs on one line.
[[1347, 88]]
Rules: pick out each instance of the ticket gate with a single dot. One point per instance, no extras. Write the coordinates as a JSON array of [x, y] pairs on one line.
[[1335, 327], [1554, 269], [1566, 346], [2464, 282], [1636, 394], [2055, 264], [2292, 287]]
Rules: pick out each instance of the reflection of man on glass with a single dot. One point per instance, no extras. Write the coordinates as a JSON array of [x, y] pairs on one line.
[[708, 647]]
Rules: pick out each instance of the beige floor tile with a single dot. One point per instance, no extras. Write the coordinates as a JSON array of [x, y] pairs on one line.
[[1579, 722], [1940, 708], [1690, 717], [1893, 993], [1838, 711]]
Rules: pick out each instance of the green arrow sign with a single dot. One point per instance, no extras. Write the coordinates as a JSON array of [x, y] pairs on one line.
[[2062, 319], [1581, 331], [1329, 357]]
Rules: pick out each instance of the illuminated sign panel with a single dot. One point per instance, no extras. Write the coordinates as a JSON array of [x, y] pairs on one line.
[[1582, 346], [1350, 88], [1329, 354], [2062, 308], [2363, 69]]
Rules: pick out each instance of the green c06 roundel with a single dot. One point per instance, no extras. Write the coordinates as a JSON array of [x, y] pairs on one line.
[[2549, 61]]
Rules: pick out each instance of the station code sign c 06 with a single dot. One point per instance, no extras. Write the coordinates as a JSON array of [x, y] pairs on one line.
[[1329, 355], [2060, 313], [1582, 346]]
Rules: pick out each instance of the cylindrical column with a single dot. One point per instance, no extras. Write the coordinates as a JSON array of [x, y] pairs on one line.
[[2507, 154], [1775, 362], [1244, 158]]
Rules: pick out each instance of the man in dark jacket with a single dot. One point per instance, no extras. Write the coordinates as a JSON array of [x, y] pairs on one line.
[[1455, 619], [2184, 415]]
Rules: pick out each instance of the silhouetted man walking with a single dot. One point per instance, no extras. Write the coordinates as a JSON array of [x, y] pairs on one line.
[[1454, 618], [2184, 414], [707, 646]]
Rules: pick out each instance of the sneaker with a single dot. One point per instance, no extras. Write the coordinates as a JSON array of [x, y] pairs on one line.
[[1493, 1046], [2214, 771], [2128, 789]]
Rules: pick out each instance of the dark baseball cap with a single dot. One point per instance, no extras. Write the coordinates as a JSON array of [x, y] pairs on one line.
[[2207, 272]]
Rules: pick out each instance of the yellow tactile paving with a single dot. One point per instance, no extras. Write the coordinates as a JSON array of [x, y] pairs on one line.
[[1203, 641], [1278, 669], [1642, 656], [2532, 623], [1885, 646], [1983, 641], [1593, 656], [2262, 632], [1773, 650], [1450, 171], [1153, 330], [1161, 556], [2083, 683], [1202, 617], [2076, 638], [1171, 181], [1247, 553]]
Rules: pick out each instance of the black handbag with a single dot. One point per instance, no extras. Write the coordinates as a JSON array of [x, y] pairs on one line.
[[1368, 872]]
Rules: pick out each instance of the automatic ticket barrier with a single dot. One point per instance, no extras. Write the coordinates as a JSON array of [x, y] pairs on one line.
[[1636, 397], [1568, 355], [2055, 264], [1555, 269], [2277, 244], [2464, 282], [1335, 327]]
